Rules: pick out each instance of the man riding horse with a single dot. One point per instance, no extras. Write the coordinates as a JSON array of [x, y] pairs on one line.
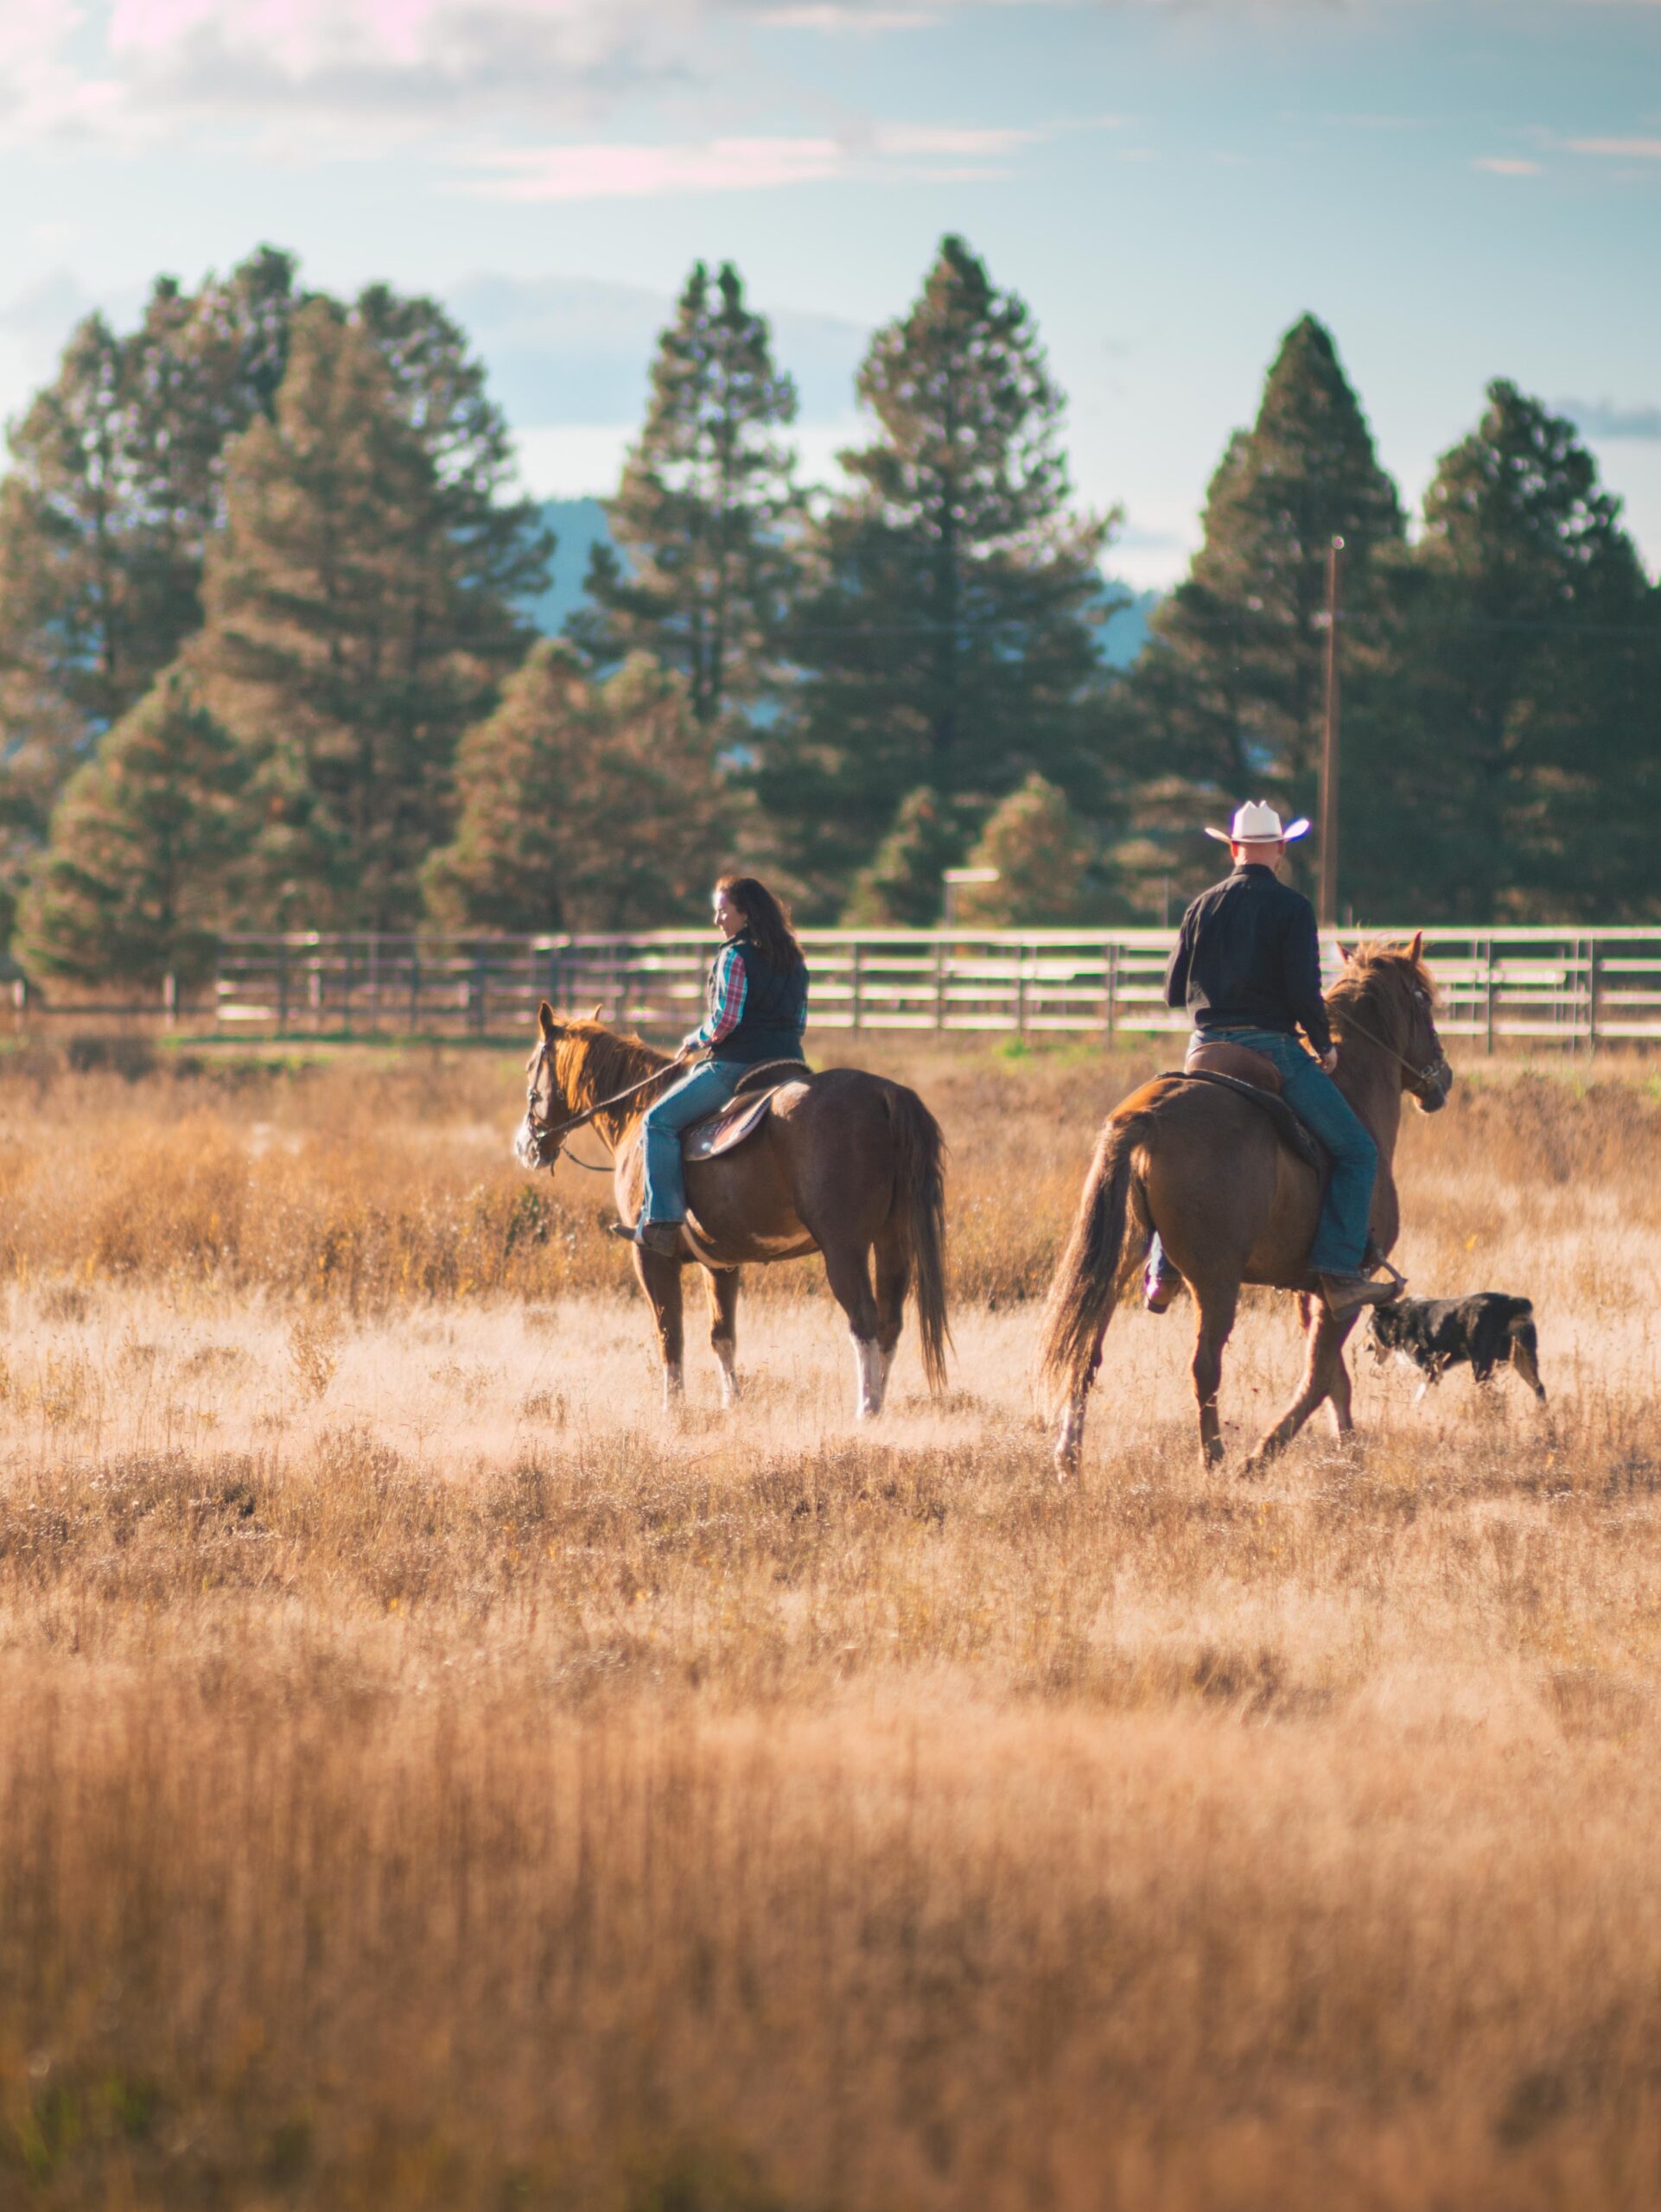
[[1247, 967]]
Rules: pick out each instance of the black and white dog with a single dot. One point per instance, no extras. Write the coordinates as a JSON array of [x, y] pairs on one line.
[[1434, 1333]]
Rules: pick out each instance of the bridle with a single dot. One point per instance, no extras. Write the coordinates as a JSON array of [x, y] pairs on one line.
[[1435, 1074], [543, 1133]]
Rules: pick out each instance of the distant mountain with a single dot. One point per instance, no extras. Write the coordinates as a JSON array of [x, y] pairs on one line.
[[1125, 633], [579, 526]]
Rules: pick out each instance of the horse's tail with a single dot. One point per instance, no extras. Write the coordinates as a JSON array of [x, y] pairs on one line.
[[1097, 1259], [919, 1193]]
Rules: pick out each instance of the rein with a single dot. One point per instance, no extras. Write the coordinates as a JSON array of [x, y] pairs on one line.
[[1425, 1074], [548, 1133]]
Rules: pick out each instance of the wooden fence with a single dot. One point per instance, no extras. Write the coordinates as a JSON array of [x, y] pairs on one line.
[[1501, 986]]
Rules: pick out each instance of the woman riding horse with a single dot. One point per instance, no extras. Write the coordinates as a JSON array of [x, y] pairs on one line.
[[841, 1162], [756, 1010]]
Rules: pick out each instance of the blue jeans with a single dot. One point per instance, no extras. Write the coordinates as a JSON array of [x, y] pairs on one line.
[[704, 1092], [1342, 1233]]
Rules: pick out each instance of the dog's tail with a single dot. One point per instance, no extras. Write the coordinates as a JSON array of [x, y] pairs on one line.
[[1526, 1347]]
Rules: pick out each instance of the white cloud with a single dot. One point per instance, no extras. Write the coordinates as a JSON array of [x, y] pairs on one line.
[[1506, 165], [1625, 149], [929, 153], [351, 75], [613, 172], [823, 15]]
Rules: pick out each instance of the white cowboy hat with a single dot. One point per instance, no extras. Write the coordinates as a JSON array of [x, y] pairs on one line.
[[1257, 824]]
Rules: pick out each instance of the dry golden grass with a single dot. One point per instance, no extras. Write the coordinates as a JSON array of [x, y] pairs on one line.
[[427, 1779]]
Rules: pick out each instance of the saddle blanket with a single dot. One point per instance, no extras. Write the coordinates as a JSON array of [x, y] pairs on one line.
[[1302, 1139], [736, 1122]]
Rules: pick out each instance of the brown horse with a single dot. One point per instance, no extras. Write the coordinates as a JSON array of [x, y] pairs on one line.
[[1233, 1204], [845, 1164]]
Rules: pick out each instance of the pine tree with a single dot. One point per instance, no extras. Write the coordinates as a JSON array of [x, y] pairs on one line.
[[133, 885], [497, 541], [119, 483], [949, 641], [1229, 693], [1522, 778], [1042, 860], [900, 885], [116, 482], [352, 636], [702, 512], [585, 806]]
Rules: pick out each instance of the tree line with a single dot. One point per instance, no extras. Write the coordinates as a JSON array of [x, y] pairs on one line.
[[265, 661]]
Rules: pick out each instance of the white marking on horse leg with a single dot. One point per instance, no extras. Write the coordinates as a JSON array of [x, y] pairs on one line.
[[1070, 1439], [867, 1361], [726, 1356]]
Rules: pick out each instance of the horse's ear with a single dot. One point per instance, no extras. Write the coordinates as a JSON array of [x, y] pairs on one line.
[[1344, 954], [1417, 945], [546, 1023], [598, 1008]]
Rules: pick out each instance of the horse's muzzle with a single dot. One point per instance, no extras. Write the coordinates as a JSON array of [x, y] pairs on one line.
[[532, 1146], [1433, 1086]]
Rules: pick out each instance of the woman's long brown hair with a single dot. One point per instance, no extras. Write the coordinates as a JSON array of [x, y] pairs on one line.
[[766, 920]]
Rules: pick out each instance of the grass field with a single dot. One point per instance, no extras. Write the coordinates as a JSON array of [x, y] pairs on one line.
[[429, 1779]]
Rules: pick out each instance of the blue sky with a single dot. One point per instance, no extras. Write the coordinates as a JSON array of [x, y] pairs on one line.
[[1460, 191]]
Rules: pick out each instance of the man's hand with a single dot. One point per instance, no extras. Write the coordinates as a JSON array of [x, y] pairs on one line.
[[1329, 1060]]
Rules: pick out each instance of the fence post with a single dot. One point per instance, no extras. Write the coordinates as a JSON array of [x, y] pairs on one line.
[[1111, 984], [1487, 993], [939, 982], [479, 984], [857, 962], [1021, 990], [283, 987], [1591, 994]]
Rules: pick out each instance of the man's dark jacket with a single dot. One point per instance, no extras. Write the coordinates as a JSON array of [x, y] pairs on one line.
[[1248, 957]]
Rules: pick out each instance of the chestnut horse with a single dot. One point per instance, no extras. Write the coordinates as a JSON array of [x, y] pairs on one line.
[[1233, 1204], [845, 1164]]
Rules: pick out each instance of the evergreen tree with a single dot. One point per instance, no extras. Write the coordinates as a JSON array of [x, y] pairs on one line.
[[133, 884], [116, 482], [1042, 860], [900, 886], [497, 542], [948, 639], [1229, 693], [353, 634], [585, 806], [1522, 775], [703, 510], [117, 479]]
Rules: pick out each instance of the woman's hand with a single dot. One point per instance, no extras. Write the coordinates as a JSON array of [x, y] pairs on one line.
[[1329, 1060]]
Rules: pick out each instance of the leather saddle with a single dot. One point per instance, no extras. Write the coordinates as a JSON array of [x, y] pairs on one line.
[[744, 1113], [1237, 1067]]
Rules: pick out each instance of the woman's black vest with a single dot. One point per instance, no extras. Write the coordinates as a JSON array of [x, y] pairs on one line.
[[775, 1010]]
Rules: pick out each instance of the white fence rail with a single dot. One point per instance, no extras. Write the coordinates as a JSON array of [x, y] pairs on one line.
[[1501, 986]]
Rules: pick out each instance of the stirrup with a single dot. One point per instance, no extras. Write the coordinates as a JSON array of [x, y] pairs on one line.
[[1373, 1260]]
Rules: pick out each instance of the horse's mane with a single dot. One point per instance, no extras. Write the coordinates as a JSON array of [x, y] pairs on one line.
[[1370, 971], [593, 1063]]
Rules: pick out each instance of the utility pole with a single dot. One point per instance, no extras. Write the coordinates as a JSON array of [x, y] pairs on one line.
[[1326, 906]]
